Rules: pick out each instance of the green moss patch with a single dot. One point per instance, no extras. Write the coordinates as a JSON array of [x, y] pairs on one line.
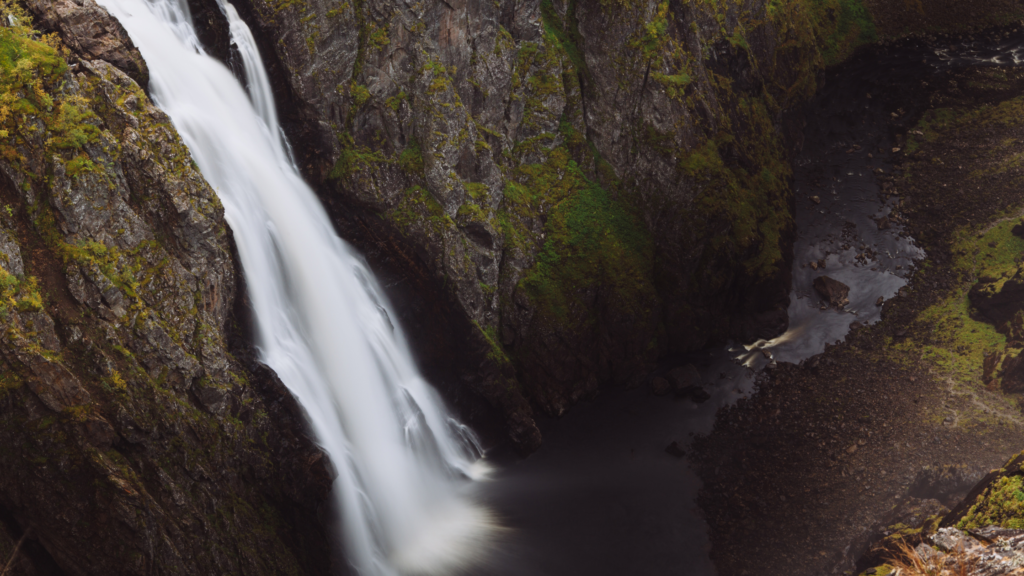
[[1002, 504]]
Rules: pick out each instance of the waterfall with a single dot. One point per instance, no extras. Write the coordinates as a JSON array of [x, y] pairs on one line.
[[403, 463]]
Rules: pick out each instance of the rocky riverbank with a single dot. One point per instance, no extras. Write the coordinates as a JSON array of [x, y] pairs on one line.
[[803, 476]]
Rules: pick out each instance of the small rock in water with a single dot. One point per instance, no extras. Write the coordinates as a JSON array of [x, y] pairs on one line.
[[883, 223], [695, 393], [821, 263], [683, 378], [880, 301], [674, 449], [832, 291], [816, 199], [660, 386], [814, 265]]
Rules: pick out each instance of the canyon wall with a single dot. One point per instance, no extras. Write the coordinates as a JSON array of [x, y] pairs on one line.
[[559, 192], [138, 434]]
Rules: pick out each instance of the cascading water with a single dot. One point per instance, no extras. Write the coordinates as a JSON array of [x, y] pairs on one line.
[[403, 463]]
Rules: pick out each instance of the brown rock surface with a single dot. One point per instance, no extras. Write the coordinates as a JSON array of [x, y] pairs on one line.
[[89, 30], [832, 291]]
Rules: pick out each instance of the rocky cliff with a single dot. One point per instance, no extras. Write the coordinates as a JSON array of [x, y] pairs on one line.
[[138, 434], [560, 191]]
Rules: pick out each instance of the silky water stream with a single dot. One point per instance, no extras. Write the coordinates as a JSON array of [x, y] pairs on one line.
[[404, 465], [601, 497]]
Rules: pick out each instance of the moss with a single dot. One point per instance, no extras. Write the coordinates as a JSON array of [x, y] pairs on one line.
[[21, 294], [591, 239], [395, 102], [31, 71], [752, 207], [353, 159], [1002, 504], [957, 342], [417, 209], [496, 353], [411, 159], [565, 34]]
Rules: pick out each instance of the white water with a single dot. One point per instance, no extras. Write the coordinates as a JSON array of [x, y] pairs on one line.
[[322, 324]]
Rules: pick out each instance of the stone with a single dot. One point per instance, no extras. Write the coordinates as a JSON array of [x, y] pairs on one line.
[[660, 386], [1018, 230], [832, 291], [89, 30], [883, 223], [674, 449], [880, 301], [696, 393], [951, 540], [683, 378], [816, 199]]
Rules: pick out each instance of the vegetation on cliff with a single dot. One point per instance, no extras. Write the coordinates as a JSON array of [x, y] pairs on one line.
[[126, 425]]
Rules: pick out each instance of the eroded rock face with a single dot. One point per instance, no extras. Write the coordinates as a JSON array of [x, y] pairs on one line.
[[91, 33], [561, 190], [138, 434]]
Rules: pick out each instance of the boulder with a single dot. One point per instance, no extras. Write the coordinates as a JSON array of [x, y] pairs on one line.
[[832, 291], [683, 378], [660, 386]]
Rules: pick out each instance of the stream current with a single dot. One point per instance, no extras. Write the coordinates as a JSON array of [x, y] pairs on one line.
[[601, 497]]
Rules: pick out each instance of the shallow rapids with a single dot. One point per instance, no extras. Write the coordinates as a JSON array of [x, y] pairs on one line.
[[403, 463]]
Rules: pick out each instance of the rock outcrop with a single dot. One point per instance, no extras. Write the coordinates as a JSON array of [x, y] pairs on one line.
[[138, 435], [564, 190], [91, 33]]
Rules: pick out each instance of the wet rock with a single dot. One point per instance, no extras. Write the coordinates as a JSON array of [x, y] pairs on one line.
[[816, 199], [814, 265], [883, 223], [660, 386], [696, 393], [684, 378], [880, 301], [674, 449], [832, 291]]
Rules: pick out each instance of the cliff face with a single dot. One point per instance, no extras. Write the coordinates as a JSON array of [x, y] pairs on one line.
[[137, 433], [566, 190]]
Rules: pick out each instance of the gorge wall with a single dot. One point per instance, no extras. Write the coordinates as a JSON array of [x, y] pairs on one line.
[[560, 192], [557, 193], [138, 434]]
